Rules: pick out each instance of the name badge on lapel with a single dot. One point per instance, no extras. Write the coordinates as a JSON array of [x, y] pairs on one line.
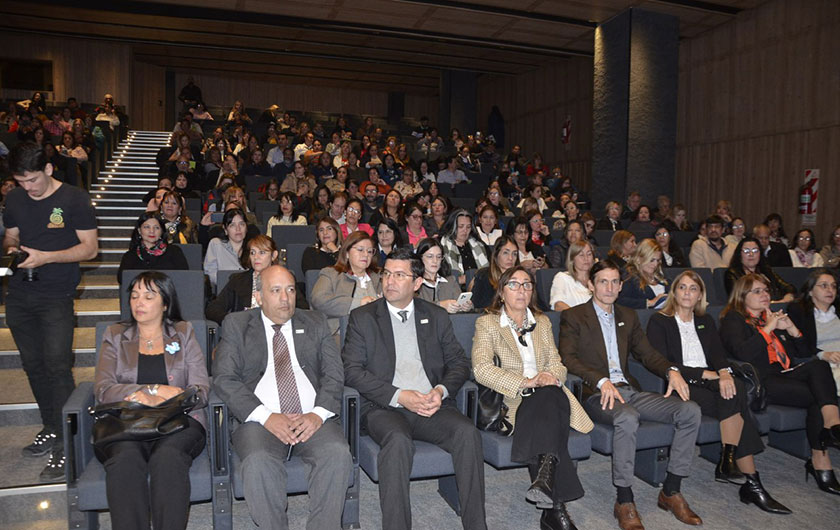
[[424, 320], [298, 332], [620, 324]]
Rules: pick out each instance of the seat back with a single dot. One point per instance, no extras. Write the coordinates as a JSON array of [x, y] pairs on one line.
[[795, 276], [192, 253], [189, 286], [544, 279], [311, 277], [463, 324], [283, 235], [294, 257], [222, 279]]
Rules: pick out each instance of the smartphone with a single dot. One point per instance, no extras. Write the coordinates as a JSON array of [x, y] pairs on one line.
[[464, 297]]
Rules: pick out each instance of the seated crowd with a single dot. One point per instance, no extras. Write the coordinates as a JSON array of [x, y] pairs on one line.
[[395, 252]]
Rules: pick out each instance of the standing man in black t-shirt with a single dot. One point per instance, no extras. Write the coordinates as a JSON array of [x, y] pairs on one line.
[[55, 224]]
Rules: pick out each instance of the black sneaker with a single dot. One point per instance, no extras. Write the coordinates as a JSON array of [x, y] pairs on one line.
[[41, 445], [54, 472]]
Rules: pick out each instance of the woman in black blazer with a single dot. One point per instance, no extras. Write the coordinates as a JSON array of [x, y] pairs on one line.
[[238, 294], [819, 296], [771, 342], [687, 336]]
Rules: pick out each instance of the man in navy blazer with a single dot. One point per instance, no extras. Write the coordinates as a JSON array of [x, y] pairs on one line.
[[244, 376], [402, 356]]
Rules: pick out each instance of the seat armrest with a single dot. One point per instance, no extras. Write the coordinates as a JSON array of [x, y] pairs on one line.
[[467, 400], [647, 380], [219, 424], [575, 384], [78, 429], [350, 420]]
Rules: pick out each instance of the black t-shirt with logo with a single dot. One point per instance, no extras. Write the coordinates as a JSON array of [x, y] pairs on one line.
[[50, 224]]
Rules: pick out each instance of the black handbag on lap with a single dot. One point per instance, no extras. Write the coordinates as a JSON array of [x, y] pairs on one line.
[[129, 421], [492, 411]]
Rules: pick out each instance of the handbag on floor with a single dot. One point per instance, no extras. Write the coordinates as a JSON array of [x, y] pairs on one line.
[[129, 421], [756, 391]]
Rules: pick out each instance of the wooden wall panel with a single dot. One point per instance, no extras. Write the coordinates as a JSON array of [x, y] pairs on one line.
[[148, 94], [82, 68], [758, 104], [218, 90], [535, 105]]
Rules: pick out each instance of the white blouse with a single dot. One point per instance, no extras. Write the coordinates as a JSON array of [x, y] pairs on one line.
[[692, 350], [566, 289], [529, 356]]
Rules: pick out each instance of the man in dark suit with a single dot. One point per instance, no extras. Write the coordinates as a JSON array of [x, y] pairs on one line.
[[402, 356], [280, 373], [595, 340], [775, 253]]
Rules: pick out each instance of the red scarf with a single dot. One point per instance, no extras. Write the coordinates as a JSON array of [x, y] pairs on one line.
[[775, 349]]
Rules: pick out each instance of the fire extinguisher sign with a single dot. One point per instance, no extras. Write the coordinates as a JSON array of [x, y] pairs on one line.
[[808, 197]]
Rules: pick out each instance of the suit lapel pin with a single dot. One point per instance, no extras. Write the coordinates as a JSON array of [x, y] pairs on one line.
[[424, 320], [620, 324], [701, 326], [299, 332]]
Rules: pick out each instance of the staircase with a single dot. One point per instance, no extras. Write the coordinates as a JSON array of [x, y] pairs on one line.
[[117, 196]]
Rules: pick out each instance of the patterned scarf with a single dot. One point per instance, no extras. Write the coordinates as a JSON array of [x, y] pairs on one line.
[[806, 257], [775, 349], [158, 249]]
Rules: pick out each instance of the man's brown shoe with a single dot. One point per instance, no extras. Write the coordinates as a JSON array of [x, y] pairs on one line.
[[677, 505], [628, 517]]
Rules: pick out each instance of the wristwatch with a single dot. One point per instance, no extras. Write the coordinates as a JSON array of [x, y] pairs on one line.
[[727, 369], [673, 369]]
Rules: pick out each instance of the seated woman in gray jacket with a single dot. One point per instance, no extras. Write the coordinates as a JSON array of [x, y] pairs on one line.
[[439, 286], [352, 282]]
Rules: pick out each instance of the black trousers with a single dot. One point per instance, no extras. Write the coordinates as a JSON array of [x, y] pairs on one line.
[[43, 331], [542, 427], [395, 430], [810, 386], [707, 395], [144, 477]]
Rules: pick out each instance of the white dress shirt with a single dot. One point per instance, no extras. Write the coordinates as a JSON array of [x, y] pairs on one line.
[[529, 356], [266, 390], [692, 349]]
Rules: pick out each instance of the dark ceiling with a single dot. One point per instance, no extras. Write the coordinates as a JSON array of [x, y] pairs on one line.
[[388, 44]]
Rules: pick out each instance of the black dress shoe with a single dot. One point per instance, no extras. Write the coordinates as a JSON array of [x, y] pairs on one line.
[[753, 492], [541, 490], [826, 480], [727, 469], [830, 437], [556, 518]]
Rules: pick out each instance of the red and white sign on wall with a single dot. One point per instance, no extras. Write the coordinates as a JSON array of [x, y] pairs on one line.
[[808, 197]]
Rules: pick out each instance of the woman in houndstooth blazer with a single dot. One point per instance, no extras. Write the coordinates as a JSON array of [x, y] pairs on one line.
[[530, 375]]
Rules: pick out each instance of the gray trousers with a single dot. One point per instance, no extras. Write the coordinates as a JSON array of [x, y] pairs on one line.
[[326, 456], [625, 417]]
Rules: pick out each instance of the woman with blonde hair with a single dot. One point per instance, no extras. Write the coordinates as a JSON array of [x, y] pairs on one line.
[[645, 286], [687, 336]]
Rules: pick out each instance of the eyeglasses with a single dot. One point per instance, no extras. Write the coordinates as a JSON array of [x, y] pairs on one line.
[[662, 234], [748, 251], [759, 291], [368, 251], [416, 216], [353, 210], [827, 285], [399, 275], [513, 285], [804, 238], [737, 227]]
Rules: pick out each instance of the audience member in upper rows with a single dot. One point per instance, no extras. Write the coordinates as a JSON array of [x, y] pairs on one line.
[[352, 282], [612, 217], [622, 246], [530, 254], [672, 255], [503, 256], [148, 249], [225, 252], [462, 248], [439, 285], [287, 213], [645, 286], [831, 252], [240, 291], [413, 231], [803, 250], [776, 253], [738, 229], [387, 236], [571, 287], [487, 226], [748, 259], [324, 253], [772, 343], [391, 209], [179, 229], [712, 252]]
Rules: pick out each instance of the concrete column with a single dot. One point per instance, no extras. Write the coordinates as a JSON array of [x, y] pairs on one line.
[[634, 106], [458, 93]]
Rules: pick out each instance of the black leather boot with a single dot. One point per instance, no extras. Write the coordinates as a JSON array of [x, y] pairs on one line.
[[727, 469], [542, 488], [826, 480], [556, 518], [752, 492]]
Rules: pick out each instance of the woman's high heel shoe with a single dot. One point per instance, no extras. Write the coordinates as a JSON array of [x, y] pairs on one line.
[[826, 480], [830, 437]]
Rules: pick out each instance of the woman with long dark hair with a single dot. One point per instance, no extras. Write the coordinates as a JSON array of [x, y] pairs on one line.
[[148, 248], [748, 259]]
